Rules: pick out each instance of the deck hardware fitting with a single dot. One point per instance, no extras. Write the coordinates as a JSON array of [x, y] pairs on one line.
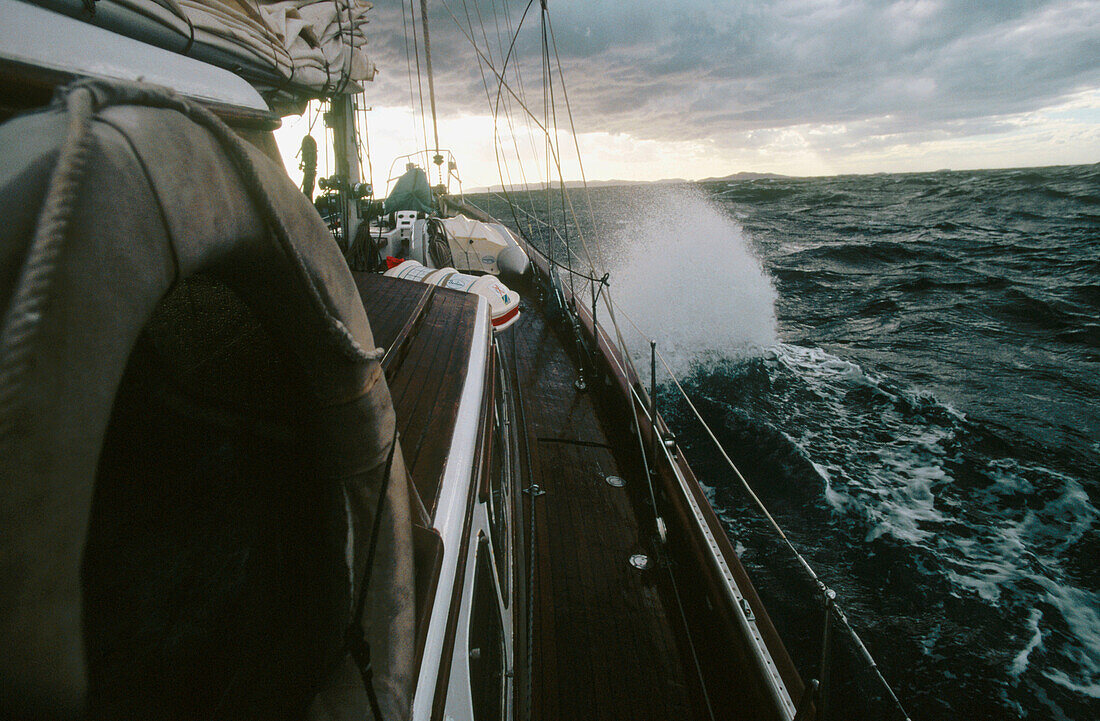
[[662, 530], [615, 481], [579, 384], [535, 491], [747, 609], [640, 561], [805, 706], [670, 442]]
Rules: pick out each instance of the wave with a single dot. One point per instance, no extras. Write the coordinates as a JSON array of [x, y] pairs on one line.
[[925, 494], [1029, 308], [964, 543], [1086, 335], [759, 191], [874, 253], [686, 273]]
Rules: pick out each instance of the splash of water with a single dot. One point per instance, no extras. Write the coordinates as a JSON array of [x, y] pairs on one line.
[[684, 271]]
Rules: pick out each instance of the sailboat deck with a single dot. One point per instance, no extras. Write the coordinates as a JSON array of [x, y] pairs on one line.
[[427, 379], [605, 641]]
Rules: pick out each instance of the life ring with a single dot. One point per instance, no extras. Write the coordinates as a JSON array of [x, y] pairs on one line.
[[140, 234]]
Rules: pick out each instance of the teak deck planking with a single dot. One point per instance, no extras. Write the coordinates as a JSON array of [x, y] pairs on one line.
[[604, 639], [606, 643], [428, 384]]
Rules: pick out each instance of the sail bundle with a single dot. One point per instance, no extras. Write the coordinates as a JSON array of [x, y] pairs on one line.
[[291, 50]]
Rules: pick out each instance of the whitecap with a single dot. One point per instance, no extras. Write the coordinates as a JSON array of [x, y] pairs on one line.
[[1019, 664]]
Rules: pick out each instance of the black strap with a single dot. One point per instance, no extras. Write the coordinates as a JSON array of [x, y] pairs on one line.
[[355, 639], [360, 652]]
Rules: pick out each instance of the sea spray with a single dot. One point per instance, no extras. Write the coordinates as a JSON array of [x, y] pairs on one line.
[[685, 273], [928, 428]]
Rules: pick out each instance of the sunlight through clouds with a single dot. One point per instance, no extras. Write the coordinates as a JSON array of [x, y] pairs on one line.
[[798, 87]]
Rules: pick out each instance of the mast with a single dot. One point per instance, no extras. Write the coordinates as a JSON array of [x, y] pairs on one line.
[[437, 158], [341, 118]]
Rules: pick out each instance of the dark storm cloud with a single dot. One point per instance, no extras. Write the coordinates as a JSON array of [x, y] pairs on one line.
[[707, 69]]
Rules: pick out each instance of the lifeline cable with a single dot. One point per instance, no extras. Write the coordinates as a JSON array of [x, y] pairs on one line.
[[826, 591]]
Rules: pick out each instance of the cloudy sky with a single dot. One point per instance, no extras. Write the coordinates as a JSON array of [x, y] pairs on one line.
[[699, 88]]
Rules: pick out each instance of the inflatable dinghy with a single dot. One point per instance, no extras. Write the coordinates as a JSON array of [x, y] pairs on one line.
[[503, 302]]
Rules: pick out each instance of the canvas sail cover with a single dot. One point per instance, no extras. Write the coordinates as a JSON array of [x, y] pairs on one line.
[[474, 245], [290, 49], [411, 192], [142, 605]]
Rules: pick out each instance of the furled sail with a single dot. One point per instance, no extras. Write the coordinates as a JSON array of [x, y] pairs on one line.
[[291, 50], [314, 43]]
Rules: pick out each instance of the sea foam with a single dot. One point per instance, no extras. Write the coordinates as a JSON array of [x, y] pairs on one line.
[[684, 271]]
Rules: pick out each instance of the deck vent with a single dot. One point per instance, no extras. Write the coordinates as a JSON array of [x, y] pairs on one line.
[[615, 481], [640, 561]]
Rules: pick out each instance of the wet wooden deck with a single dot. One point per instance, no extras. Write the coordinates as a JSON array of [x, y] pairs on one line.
[[607, 640], [605, 637], [427, 381]]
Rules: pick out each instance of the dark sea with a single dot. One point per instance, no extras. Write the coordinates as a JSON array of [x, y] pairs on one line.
[[906, 368]]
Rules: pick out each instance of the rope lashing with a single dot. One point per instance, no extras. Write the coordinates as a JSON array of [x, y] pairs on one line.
[[37, 274]]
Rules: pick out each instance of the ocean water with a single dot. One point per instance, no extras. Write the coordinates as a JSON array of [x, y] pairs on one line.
[[907, 370]]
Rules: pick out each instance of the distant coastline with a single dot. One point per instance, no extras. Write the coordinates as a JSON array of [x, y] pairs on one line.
[[570, 184], [750, 176]]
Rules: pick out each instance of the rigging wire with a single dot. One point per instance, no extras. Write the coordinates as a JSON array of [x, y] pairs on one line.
[[552, 156], [480, 67], [545, 58], [501, 84], [496, 136], [577, 146], [513, 34], [408, 65], [501, 161], [316, 114], [505, 187], [366, 148], [362, 137], [500, 78], [504, 85], [507, 104], [557, 145], [419, 84], [437, 158]]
